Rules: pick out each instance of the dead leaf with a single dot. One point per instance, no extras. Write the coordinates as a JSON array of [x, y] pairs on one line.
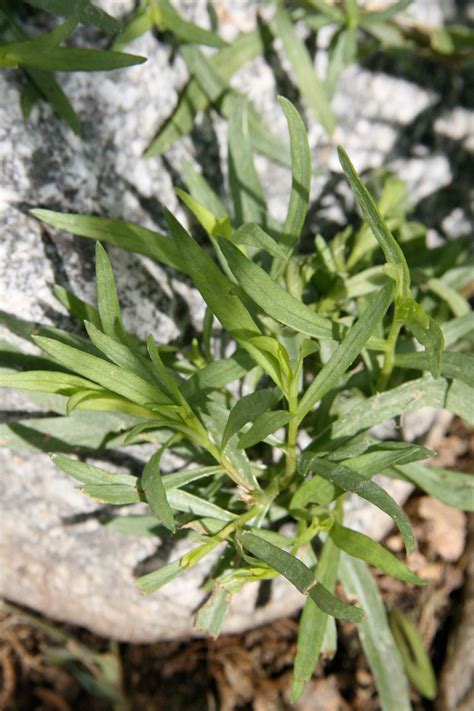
[[446, 527]]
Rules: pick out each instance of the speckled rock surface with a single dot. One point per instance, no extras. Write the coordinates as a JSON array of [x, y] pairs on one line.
[[54, 554]]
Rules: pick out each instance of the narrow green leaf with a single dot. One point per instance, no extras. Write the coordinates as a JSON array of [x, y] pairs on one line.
[[212, 224], [153, 486], [110, 376], [457, 329], [390, 247], [46, 381], [107, 487], [264, 425], [216, 289], [384, 455], [184, 30], [151, 582], [33, 53], [300, 175], [89, 474], [30, 95], [114, 494], [245, 187], [201, 190], [332, 12], [407, 397], [84, 430], [316, 490], [388, 13], [216, 375], [342, 52], [311, 87], [252, 235], [459, 400], [452, 488], [162, 374], [454, 365], [248, 409], [273, 299], [118, 233], [349, 480], [348, 350], [361, 546], [374, 633], [314, 623], [214, 415], [189, 503], [86, 12], [182, 478], [50, 90], [426, 331], [415, 659], [140, 22], [77, 307], [458, 304], [107, 298], [212, 614], [301, 577], [106, 401]]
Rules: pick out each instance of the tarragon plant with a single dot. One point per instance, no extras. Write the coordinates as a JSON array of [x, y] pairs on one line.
[[39, 57], [304, 348]]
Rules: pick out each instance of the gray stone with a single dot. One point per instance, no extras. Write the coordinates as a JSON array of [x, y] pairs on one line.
[[55, 555]]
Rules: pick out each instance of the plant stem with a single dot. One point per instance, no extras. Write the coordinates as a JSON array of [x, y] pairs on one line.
[[290, 463], [389, 358]]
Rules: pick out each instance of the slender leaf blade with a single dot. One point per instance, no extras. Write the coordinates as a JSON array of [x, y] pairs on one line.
[[272, 298], [300, 576], [370, 491], [374, 633], [311, 87], [117, 233], [107, 297], [361, 546], [348, 350], [313, 623], [264, 425], [155, 492], [248, 409]]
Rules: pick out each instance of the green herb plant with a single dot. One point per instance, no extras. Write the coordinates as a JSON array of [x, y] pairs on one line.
[[39, 57], [306, 345]]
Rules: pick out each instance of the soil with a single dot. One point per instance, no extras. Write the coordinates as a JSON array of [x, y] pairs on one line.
[[49, 667]]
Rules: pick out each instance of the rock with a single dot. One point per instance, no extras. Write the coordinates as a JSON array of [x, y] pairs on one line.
[[55, 556]]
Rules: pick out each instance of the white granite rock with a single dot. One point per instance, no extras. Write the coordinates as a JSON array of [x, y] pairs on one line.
[[54, 554]]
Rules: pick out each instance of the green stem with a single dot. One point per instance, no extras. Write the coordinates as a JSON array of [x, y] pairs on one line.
[[389, 359], [290, 463], [189, 560]]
